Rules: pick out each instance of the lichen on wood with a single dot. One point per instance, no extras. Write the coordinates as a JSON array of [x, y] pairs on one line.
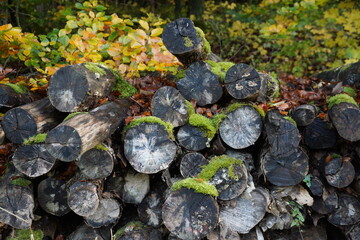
[[196, 184], [72, 115], [95, 68], [201, 34], [291, 120], [234, 106]]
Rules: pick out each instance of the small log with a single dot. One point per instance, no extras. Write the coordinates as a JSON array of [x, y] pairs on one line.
[[78, 87], [107, 213], [319, 135], [27, 120], [85, 232], [245, 157], [190, 215], [9, 98], [200, 84], [346, 119], [243, 82], [169, 105], [84, 131], [96, 163], [52, 196], [134, 187], [304, 114], [316, 186], [190, 165], [150, 209], [83, 198], [223, 232], [285, 171], [269, 88], [348, 211], [148, 148], [192, 138], [241, 128], [326, 204], [339, 172], [33, 160]]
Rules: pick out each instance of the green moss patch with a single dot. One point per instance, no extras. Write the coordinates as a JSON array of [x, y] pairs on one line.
[[220, 68], [339, 98], [216, 163], [201, 34], [72, 115], [101, 147], [95, 68], [190, 108], [291, 120], [122, 86], [38, 138], [18, 88], [217, 119], [187, 42], [274, 85], [25, 234], [129, 227], [21, 182], [350, 91], [196, 184], [234, 106], [204, 124]]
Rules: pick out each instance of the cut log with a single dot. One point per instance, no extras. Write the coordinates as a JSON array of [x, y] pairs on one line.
[[52, 196], [319, 135], [83, 198], [245, 157], [316, 186], [223, 232], [191, 163], [84, 131], [107, 213], [243, 82], [200, 84], [27, 120], [192, 138], [241, 128], [85, 233], [131, 232], [348, 211], [78, 87], [9, 98], [339, 172], [96, 163], [304, 114], [150, 209], [346, 119], [148, 148], [327, 203], [33, 160], [190, 215], [185, 41], [169, 105], [135, 187]]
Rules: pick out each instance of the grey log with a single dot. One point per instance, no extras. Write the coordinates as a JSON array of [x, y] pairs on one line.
[[339, 172], [348, 211], [107, 213], [192, 138], [83, 198], [191, 164], [304, 114]]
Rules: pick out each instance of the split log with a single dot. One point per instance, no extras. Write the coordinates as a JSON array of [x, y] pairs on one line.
[[304, 114], [85, 233], [319, 135], [348, 211], [84, 131], [107, 213], [190, 165], [339, 172], [190, 215], [346, 119], [170, 106], [200, 84], [52, 196], [78, 87], [27, 120], [96, 163], [150, 209], [241, 128], [33, 160], [9, 98], [192, 138], [83, 198], [243, 82]]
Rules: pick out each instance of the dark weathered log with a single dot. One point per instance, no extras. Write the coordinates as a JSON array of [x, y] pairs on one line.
[[150, 209], [241, 128], [339, 172], [27, 120], [316, 186], [348, 211], [223, 232], [191, 163], [169, 105], [243, 82], [107, 213], [134, 187], [304, 114], [200, 84], [354, 232], [185, 41], [96, 163], [319, 135], [78, 87], [83, 198], [327, 203], [33, 160], [52, 196], [245, 157], [346, 119], [131, 232], [148, 148], [269, 88], [9, 98], [192, 138], [285, 170], [85, 233], [84, 131]]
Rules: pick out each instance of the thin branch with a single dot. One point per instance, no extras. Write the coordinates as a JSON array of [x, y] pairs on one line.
[[7, 211]]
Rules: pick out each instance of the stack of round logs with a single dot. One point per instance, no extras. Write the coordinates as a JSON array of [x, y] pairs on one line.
[[240, 174]]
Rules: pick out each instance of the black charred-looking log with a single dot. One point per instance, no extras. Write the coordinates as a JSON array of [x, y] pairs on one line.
[[85, 233], [150, 209], [346, 119], [96, 163], [190, 215], [191, 163], [316, 186], [169, 105], [148, 148], [200, 84], [243, 82], [9, 98], [326, 204], [84, 131], [304, 114], [319, 135], [182, 39], [27, 120], [33, 160], [348, 211], [192, 138], [285, 170], [107, 213], [83, 198], [241, 128], [77, 88], [339, 173], [52, 196]]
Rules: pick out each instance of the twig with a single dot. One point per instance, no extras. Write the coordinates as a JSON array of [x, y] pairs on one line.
[[7, 211]]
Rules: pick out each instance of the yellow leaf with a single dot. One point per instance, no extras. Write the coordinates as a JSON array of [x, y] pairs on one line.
[[5, 27], [27, 52], [92, 14], [144, 25], [156, 32]]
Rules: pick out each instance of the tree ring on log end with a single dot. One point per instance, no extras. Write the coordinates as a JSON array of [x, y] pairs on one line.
[[108, 212], [83, 199], [96, 163]]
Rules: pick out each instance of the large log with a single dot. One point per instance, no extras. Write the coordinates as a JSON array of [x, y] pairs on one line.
[[348, 211]]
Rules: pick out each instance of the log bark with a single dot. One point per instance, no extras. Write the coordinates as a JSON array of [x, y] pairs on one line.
[[78, 87], [27, 120], [83, 198], [200, 84], [348, 211], [107, 213], [190, 165], [319, 135], [84, 131], [192, 138], [304, 114], [339, 172], [9, 98]]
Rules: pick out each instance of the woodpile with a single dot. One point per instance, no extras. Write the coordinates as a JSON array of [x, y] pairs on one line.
[[243, 173]]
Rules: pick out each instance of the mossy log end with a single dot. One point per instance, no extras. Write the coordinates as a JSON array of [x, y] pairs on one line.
[[192, 138], [304, 114]]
